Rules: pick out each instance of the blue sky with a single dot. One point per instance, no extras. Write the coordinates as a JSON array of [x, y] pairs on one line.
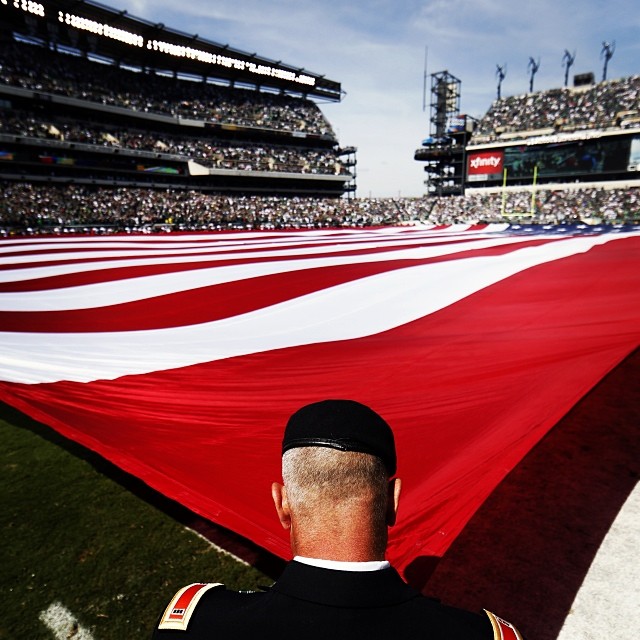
[[376, 49]]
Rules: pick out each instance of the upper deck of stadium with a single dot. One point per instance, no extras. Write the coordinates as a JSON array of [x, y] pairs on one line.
[[91, 94], [605, 106], [128, 41]]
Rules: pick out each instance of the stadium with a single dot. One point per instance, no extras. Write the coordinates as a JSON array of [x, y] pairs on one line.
[[186, 261]]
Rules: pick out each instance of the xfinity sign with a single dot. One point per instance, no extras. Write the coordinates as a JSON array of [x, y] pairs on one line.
[[491, 161], [482, 166]]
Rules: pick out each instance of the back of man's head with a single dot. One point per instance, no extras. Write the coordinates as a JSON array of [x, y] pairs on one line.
[[338, 456]]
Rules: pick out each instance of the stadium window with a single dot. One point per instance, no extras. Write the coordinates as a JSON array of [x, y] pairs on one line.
[[100, 59], [128, 67]]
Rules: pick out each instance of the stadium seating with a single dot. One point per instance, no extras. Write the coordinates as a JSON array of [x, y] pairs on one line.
[[32, 67], [31, 208], [209, 151], [71, 117], [57, 198], [604, 105]]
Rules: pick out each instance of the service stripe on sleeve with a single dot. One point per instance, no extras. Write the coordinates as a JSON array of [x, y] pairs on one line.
[[181, 608], [503, 630]]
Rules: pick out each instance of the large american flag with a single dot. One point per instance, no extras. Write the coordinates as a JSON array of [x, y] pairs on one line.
[[180, 357]]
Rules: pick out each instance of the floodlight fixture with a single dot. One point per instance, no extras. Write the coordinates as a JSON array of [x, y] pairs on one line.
[[533, 68], [501, 72], [567, 61], [607, 52]]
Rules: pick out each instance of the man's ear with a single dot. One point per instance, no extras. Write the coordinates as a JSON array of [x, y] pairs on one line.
[[393, 500], [279, 495]]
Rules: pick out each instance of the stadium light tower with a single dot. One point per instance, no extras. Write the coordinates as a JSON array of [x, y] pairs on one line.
[[567, 61], [607, 52], [533, 68], [501, 72], [443, 150], [445, 103]]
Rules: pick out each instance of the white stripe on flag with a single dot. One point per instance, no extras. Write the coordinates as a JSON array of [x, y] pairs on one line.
[[23, 270], [118, 292], [352, 310]]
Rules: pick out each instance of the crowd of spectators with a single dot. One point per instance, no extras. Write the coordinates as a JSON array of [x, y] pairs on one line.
[[209, 152], [29, 208], [597, 106], [546, 206], [42, 69]]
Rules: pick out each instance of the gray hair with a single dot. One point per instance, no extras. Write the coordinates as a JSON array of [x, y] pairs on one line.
[[322, 479]]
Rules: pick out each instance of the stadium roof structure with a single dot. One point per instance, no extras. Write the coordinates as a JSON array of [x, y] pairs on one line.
[[114, 34]]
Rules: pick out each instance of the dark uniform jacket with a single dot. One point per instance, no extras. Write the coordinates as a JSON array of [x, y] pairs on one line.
[[309, 603]]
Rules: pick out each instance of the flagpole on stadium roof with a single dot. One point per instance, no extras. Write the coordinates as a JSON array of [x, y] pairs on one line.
[[424, 79]]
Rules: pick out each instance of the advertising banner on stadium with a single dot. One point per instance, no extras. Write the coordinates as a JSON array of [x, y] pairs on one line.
[[485, 165], [181, 357]]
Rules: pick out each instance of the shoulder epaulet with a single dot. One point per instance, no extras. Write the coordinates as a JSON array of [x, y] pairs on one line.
[[503, 630], [183, 604]]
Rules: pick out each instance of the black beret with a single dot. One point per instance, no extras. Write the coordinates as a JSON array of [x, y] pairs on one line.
[[345, 425]]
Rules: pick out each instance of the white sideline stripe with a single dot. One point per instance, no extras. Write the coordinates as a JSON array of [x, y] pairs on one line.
[[218, 548], [608, 602], [58, 619], [102, 294], [351, 310]]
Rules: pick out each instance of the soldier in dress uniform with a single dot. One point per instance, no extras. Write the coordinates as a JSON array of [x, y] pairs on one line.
[[338, 498]]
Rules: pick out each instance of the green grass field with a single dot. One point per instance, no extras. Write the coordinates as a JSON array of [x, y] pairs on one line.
[[74, 536]]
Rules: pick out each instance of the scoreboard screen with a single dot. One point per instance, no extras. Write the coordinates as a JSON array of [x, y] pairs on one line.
[[595, 156], [590, 157]]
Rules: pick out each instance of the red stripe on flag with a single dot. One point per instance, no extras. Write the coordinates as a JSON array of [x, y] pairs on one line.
[[209, 303], [468, 389]]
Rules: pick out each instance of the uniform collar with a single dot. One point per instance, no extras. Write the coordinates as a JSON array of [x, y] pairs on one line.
[[335, 588], [372, 565]]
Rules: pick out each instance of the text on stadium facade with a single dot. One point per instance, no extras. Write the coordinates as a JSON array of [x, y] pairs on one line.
[[100, 29], [180, 51], [28, 6]]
